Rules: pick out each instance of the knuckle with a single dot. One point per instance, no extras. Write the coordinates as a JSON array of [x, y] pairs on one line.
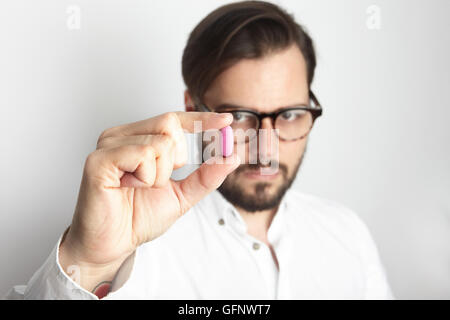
[[170, 120], [105, 133], [103, 142], [92, 161]]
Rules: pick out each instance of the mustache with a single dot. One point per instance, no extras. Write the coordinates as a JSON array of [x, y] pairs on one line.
[[257, 166]]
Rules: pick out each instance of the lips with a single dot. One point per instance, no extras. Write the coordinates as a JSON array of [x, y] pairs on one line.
[[258, 174]]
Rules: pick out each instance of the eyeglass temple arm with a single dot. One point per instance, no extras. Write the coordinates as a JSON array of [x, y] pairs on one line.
[[314, 99]]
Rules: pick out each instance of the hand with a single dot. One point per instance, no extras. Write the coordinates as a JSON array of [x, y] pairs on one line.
[[126, 196]]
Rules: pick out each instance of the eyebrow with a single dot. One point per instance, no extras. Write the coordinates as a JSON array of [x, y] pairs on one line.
[[230, 106], [225, 106]]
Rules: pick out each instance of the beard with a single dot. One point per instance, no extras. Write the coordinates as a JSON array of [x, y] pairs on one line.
[[258, 198]]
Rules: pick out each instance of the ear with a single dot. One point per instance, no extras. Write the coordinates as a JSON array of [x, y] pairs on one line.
[[188, 103]]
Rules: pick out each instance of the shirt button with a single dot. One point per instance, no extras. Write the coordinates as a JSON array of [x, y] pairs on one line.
[[256, 245], [221, 222]]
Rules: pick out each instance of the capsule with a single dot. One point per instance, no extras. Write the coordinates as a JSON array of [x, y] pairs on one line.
[[227, 141]]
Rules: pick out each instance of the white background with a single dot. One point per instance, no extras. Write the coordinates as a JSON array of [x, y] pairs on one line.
[[381, 148]]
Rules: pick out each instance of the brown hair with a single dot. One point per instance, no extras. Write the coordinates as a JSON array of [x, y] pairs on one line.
[[240, 30]]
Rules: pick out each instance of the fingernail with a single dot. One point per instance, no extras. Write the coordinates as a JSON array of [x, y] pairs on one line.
[[226, 115]]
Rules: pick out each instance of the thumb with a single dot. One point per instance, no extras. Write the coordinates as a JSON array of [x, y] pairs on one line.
[[205, 179]]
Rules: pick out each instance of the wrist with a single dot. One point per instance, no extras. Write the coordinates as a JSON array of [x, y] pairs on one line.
[[93, 277]]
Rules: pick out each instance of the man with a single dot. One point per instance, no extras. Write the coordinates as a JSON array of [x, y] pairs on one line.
[[138, 234]]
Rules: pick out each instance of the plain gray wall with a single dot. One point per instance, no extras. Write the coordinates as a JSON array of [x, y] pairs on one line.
[[381, 148]]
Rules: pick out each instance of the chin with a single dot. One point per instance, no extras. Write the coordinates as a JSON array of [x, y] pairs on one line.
[[262, 190], [253, 192]]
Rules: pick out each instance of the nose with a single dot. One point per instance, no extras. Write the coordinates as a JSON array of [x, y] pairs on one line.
[[265, 141]]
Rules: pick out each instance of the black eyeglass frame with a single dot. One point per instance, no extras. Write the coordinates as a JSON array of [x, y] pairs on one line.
[[314, 108]]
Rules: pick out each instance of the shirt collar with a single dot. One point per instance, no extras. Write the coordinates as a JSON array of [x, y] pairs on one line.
[[223, 210]]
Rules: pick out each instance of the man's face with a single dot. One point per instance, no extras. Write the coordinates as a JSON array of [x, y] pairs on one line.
[[263, 85]]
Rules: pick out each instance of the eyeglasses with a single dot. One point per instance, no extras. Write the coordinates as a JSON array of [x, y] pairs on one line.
[[293, 123]]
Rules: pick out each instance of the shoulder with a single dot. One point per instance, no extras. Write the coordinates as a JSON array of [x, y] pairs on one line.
[[320, 206], [327, 214]]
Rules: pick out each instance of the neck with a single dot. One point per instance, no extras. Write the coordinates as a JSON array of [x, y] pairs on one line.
[[258, 223]]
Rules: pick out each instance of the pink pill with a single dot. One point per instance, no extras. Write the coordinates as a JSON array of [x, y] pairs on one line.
[[227, 141]]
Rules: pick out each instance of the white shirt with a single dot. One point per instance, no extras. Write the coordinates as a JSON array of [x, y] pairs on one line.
[[323, 249]]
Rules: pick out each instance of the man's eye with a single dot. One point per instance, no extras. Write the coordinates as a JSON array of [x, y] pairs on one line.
[[239, 117], [288, 115], [292, 115]]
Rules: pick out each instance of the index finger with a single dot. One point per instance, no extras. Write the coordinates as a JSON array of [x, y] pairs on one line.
[[171, 121], [209, 120]]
